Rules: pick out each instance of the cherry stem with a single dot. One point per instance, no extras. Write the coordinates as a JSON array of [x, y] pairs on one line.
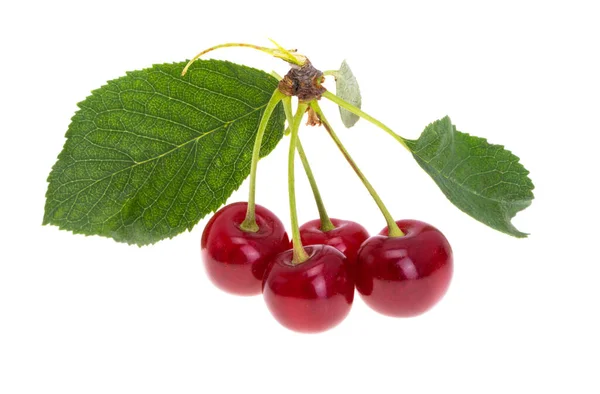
[[326, 224], [249, 223], [300, 254], [357, 111], [287, 109], [280, 53], [393, 229]]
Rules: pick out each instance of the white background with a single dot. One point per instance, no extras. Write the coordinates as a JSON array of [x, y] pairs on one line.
[[87, 315]]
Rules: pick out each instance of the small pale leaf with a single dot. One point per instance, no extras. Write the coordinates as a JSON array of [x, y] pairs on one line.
[[346, 88]]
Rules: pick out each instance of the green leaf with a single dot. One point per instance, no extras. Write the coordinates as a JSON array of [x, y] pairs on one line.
[[483, 180], [346, 88], [149, 154]]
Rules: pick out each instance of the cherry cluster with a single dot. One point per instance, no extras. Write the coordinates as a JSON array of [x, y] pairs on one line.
[[308, 282], [399, 276]]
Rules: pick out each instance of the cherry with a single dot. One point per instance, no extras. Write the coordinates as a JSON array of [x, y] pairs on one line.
[[311, 296], [404, 276], [347, 236], [235, 259]]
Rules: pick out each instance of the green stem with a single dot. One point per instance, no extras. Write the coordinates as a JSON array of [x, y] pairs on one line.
[[280, 53], [326, 224], [287, 108], [300, 254], [357, 111], [393, 229], [249, 223], [334, 73]]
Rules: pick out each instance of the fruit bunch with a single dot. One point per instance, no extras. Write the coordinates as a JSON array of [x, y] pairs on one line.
[[400, 276], [308, 283]]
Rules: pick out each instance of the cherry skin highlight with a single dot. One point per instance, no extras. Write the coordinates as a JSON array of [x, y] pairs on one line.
[[404, 276], [312, 296], [235, 260], [347, 236]]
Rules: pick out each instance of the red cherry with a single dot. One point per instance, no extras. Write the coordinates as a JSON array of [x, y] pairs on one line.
[[235, 259], [347, 236], [312, 296], [404, 276]]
